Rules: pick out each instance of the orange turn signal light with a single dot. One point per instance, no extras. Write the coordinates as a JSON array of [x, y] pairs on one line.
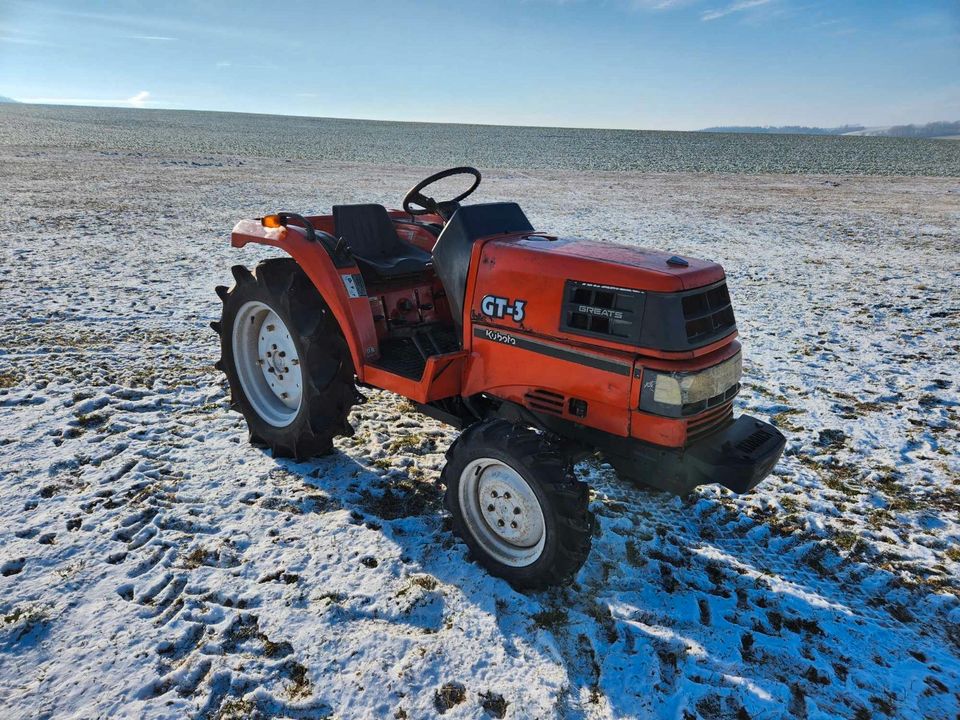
[[271, 221]]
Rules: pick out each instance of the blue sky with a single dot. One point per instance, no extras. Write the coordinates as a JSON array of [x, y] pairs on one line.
[[666, 64]]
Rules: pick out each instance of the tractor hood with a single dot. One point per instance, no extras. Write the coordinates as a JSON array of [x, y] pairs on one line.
[[632, 267], [587, 290]]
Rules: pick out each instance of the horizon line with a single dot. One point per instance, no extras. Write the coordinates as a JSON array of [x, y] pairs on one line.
[[709, 128]]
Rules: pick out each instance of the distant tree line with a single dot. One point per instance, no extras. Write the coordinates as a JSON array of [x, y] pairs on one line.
[[930, 130], [934, 129], [785, 129]]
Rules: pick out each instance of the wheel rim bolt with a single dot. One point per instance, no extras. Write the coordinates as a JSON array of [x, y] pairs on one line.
[[513, 525], [516, 511], [500, 523], [282, 354], [493, 493], [506, 496], [490, 508]]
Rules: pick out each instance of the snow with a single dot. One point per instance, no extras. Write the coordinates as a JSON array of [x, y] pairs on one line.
[[155, 565], [252, 227]]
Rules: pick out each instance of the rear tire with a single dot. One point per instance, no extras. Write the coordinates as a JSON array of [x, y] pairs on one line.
[[295, 404], [516, 503]]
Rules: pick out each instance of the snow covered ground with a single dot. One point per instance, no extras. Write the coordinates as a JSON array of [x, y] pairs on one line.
[[154, 565]]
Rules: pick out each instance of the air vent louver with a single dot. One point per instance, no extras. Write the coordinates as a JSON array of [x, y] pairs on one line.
[[708, 313], [544, 401], [751, 443]]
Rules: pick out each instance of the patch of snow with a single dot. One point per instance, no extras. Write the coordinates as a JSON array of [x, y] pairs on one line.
[[252, 227]]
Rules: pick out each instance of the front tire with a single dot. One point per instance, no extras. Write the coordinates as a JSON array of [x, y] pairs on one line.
[[286, 361], [515, 502]]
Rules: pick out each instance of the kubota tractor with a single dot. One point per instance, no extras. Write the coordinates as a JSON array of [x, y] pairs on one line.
[[543, 349]]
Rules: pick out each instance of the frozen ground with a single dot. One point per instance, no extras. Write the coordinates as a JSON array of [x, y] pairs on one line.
[[155, 565]]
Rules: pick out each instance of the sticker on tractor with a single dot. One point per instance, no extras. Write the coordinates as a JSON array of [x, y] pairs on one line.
[[354, 285], [601, 312], [496, 307], [499, 337]]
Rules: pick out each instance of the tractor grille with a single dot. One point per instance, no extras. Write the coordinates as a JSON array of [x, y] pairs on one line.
[[602, 311], [544, 401], [668, 321], [708, 313], [754, 441], [698, 407], [700, 427]]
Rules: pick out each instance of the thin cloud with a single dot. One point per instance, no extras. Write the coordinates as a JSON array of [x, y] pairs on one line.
[[154, 38], [137, 101], [17, 40], [658, 4], [155, 24], [19, 37], [246, 66], [733, 8], [624, 4]]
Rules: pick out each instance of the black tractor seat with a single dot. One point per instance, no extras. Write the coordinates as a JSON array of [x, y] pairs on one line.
[[372, 238]]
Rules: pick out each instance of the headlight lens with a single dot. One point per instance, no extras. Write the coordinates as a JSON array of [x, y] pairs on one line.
[[682, 394]]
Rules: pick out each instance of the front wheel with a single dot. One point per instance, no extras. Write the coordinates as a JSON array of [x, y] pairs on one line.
[[517, 505]]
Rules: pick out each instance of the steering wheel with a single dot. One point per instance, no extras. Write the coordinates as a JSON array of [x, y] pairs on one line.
[[427, 204]]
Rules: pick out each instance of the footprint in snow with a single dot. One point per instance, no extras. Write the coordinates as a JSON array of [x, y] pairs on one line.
[[12, 567]]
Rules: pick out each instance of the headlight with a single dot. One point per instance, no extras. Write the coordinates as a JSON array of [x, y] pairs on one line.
[[682, 394]]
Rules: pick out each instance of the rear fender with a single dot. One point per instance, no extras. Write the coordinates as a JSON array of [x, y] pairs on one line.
[[351, 309]]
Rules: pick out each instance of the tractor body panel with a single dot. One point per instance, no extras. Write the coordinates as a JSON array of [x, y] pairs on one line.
[[337, 286], [547, 376], [524, 351], [613, 264]]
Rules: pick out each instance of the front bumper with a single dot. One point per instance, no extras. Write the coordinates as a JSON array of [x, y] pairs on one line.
[[738, 457]]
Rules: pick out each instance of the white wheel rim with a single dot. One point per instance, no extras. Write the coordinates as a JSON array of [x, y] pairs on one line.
[[502, 512], [267, 363]]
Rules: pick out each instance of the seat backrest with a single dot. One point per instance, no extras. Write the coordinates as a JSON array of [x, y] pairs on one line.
[[368, 231], [451, 254]]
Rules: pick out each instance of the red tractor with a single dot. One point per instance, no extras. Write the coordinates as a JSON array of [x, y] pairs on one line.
[[543, 349]]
